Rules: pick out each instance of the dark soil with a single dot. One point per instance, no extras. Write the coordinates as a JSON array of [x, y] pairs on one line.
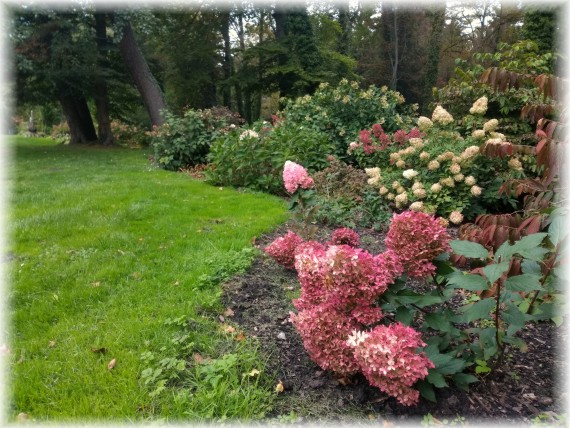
[[526, 386]]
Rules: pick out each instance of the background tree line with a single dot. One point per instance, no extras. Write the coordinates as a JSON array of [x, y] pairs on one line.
[[89, 65]]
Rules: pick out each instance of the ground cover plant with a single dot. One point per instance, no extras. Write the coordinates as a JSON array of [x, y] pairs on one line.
[[115, 268]]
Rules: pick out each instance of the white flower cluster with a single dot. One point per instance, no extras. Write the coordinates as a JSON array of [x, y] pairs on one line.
[[455, 217], [424, 123], [249, 133], [374, 175], [440, 115], [409, 174], [490, 125], [479, 106]]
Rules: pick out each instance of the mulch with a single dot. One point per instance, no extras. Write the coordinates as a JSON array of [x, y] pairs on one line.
[[526, 386]]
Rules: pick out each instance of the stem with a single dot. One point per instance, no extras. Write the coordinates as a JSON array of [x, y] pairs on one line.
[[549, 267], [497, 322]]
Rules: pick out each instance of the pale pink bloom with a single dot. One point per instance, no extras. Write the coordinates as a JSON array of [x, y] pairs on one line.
[[295, 176]]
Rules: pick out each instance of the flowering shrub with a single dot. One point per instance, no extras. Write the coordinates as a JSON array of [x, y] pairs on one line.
[[437, 170], [388, 359], [341, 112], [345, 236], [417, 238], [282, 249], [254, 157]]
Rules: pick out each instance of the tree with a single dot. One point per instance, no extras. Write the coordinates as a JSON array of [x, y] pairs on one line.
[[101, 91], [143, 78]]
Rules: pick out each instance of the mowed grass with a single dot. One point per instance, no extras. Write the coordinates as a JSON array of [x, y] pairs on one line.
[[104, 249]]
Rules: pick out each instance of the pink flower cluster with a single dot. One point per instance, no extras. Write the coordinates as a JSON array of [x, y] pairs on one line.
[[324, 330], [345, 236], [282, 250], [417, 238], [340, 275], [295, 176], [388, 359], [384, 140]]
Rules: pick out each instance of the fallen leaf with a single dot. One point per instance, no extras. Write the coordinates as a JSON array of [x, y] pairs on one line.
[[22, 417], [51, 344], [177, 283], [240, 336], [111, 364], [221, 318], [279, 388], [99, 350], [229, 312], [229, 329], [252, 373], [344, 381], [121, 252], [136, 275], [198, 358], [95, 284]]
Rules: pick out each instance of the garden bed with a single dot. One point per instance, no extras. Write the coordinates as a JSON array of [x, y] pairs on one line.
[[525, 387]]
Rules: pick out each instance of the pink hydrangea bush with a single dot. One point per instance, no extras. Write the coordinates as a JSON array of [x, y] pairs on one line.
[[324, 330], [417, 238], [295, 176], [345, 236], [388, 359], [340, 275], [282, 250]]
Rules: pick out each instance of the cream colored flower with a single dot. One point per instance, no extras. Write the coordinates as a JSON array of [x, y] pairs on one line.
[[455, 168], [515, 164], [470, 180], [424, 123], [479, 134], [440, 115], [476, 190], [455, 217], [409, 173], [417, 206], [394, 157], [498, 135], [401, 164], [390, 196], [469, 152], [449, 182], [435, 188], [420, 193], [354, 84], [417, 185], [458, 177], [433, 165], [400, 190], [383, 190], [372, 172], [479, 106], [424, 156], [401, 199], [417, 143], [457, 159], [396, 184], [490, 125]]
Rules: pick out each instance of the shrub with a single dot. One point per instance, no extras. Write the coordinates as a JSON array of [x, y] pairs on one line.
[[341, 112], [129, 135], [185, 141], [441, 172], [61, 133], [254, 157]]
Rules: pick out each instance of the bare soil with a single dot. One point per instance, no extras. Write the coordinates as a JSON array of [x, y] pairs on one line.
[[526, 386]]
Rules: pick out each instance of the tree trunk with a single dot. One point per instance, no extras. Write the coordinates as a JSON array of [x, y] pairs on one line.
[[101, 92], [344, 22], [145, 82], [227, 64], [239, 92], [434, 48], [78, 118]]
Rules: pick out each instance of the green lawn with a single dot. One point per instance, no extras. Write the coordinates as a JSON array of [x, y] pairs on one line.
[[109, 252]]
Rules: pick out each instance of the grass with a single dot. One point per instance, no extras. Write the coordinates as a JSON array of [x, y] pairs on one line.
[[106, 251]]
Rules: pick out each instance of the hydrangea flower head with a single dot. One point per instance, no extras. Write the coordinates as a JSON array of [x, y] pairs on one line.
[[295, 176], [282, 249]]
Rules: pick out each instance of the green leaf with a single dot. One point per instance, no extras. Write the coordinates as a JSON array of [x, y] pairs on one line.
[[471, 282], [495, 270], [436, 379], [462, 380], [405, 315], [454, 365], [439, 321], [557, 230], [478, 310], [536, 254], [426, 390], [528, 242], [525, 282], [469, 249], [504, 251]]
